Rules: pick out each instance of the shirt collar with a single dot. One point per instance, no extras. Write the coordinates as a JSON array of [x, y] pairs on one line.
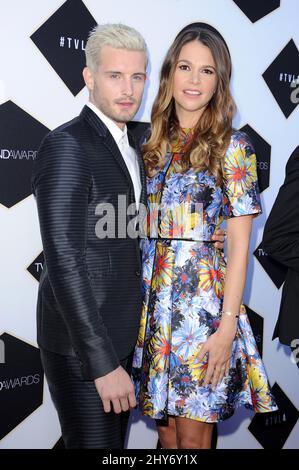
[[117, 133]]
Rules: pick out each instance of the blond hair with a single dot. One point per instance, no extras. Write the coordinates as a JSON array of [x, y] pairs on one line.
[[118, 36]]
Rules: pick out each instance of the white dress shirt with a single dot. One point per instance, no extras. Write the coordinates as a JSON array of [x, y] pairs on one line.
[[128, 153]]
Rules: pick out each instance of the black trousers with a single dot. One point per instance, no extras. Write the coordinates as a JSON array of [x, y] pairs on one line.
[[84, 423]]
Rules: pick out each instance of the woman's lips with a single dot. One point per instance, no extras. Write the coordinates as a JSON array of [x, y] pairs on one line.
[[192, 93]]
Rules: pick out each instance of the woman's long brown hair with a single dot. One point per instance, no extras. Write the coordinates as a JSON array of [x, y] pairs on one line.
[[213, 130]]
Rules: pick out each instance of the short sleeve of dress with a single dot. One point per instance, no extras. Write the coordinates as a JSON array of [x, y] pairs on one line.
[[241, 194]]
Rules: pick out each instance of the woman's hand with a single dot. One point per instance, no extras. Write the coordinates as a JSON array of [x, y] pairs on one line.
[[219, 238], [218, 347]]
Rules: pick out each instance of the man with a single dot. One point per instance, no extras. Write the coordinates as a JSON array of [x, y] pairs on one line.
[[281, 242], [89, 300]]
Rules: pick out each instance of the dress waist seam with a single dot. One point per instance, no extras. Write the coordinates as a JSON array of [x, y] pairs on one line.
[[181, 239]]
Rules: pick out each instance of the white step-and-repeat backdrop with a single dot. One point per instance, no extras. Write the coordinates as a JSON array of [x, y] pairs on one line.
[[41, 58]]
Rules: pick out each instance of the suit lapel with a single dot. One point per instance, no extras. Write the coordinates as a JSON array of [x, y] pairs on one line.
[[110, 143], [95, 122]]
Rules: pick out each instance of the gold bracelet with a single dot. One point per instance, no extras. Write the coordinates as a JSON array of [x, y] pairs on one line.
[[229, 313]]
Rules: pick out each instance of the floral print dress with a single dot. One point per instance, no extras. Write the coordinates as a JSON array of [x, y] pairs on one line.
[[183, 288]]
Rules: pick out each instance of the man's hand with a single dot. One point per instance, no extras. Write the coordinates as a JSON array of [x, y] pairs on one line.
[[220, 236], [116, 387]]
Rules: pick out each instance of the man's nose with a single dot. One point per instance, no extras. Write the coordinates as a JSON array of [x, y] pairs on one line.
[[128, 87]]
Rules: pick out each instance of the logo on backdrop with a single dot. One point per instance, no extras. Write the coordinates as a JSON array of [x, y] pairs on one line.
[[20, 137], [12, 383], [21, 382], [62, 38], [36, 267], [263, 156], [257, 326], [255, 10], [282, 77], [276, 271], [273, 429]]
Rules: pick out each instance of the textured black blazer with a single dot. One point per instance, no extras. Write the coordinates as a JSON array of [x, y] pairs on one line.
[[281, 242], [89, 299]]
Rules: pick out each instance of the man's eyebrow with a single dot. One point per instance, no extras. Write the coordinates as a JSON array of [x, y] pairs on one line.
[[117, 71]]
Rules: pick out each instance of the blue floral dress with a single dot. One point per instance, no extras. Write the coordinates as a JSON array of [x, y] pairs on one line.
[[183, 288]]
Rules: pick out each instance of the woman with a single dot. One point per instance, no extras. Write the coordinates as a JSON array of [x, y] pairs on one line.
[[196, 359]]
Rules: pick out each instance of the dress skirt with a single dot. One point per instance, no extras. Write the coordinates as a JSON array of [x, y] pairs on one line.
[[183, 287]]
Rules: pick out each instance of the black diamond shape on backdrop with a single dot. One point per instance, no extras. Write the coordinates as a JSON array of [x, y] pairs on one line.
[[263, 156], [21, 382], [273, 429], [282, 76], [62, 38], [257, 9], [36, 267], [276, 271], [59, 444], [20, 137], [257, 326], [139, 130]]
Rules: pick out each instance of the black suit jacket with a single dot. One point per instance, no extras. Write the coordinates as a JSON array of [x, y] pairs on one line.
[[281, 242], [89, 298]]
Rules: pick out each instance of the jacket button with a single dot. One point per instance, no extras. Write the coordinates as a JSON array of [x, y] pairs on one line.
[[137, 272]]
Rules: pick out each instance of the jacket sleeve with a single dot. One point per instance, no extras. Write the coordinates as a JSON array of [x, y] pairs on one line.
[[61, 182], [281, 233]]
